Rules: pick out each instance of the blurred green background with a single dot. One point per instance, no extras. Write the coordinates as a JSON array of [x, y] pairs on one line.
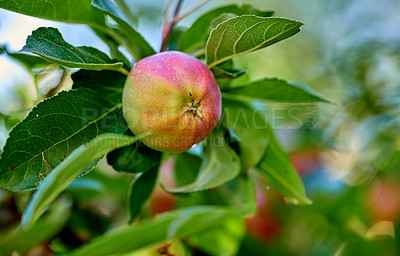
[[346, 153]]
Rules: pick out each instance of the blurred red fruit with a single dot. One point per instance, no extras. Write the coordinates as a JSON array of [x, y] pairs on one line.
[[265, 226], [263, 229], [305, 161], [160, 201], [383, 200]]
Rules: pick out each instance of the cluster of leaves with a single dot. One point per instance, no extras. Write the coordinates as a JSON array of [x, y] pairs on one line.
[[66, 135]]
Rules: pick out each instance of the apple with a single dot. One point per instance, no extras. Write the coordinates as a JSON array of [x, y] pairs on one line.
[[265, 225], [175, 97], [161, 201], [383, 200], [305, 161], [263, 229]]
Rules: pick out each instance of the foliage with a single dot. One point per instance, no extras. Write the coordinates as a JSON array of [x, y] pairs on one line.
[[51, 132], [245, 34], [49, 44], [65, 136]]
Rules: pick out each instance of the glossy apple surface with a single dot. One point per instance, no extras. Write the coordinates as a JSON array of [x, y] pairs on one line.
[[175, 97]]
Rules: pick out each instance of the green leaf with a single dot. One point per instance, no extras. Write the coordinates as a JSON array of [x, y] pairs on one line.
[[196, 36], [127, 12], [245, 34], [69, 170], [82, 12], [225, 74], [180, 223], [114, 47], [238, 192], [109, 84], [124, 33], [173, 247], [22, 240], [251, 129], [273, 90], [220, 165], [3, 116], [224, 239], [49, 44], [276, 168], [134, 158], [219, 19], [50, 132], [116, 11], [174, 38], [73, 11], [115, 186], [193, 220], [186, 168], [29, 61], [140, 191], [85, 188]]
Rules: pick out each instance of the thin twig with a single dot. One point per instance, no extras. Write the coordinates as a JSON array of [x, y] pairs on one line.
[[178, 8], [167, 27], [190, 11], [166, 18]]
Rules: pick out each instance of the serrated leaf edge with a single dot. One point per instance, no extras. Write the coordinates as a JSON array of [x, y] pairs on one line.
[[31, 113], [213, 64]]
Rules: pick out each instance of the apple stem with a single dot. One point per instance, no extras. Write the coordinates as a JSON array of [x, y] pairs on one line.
[[194, 111], [198, 113], [192, 107]]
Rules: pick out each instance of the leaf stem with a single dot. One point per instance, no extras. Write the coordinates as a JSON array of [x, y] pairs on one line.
[[123, 71], [168, 26]]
